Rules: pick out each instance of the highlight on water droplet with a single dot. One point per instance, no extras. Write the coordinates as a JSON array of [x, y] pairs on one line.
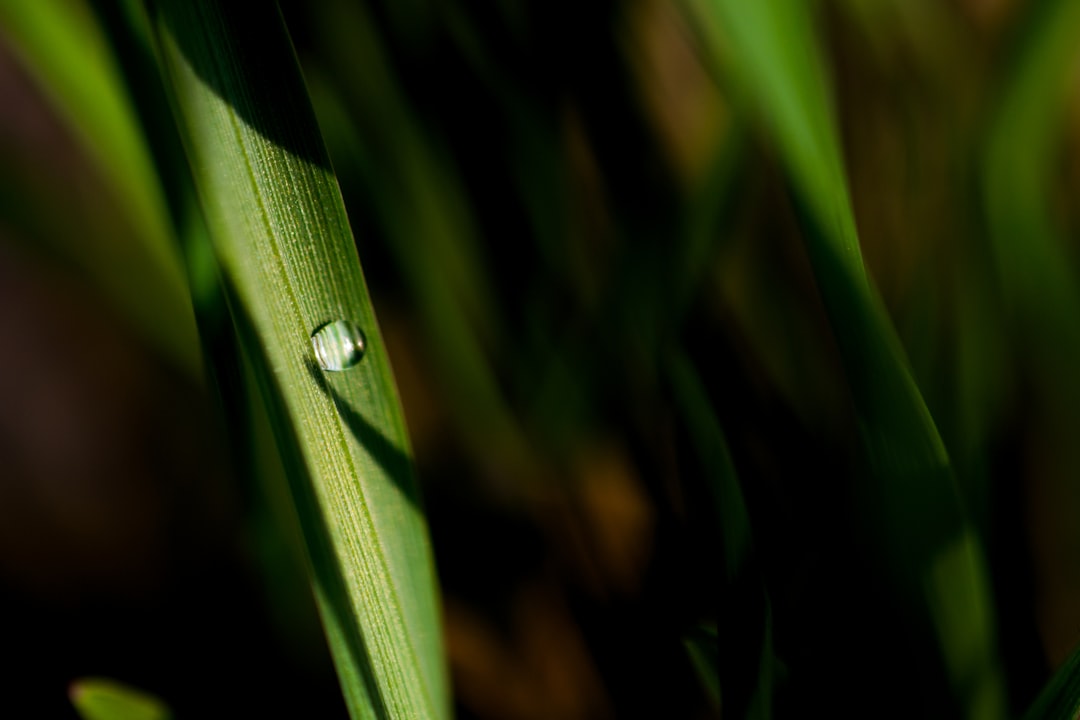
[[339, 345]]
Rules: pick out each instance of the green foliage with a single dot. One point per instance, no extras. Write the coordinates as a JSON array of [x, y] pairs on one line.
[[102, 699], [737, 341], [1060, 699], [287, 256], [145, 279], [906, 464]]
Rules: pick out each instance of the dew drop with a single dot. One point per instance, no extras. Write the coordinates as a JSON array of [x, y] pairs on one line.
[[339, 345]]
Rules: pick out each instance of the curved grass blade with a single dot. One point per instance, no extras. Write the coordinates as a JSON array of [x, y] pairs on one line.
[[278, 224], [63, 47], [1036, 270], [702, 643], [701, 646], [1020, 161], [712, 448], [935, 555], [1060, 699]]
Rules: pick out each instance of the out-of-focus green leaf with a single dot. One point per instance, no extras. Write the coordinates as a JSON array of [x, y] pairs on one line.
[[711, 446], [104, 699], [422, 210], [1060, 699], [774, 54], [1041, 292], [62, 46], [708, 439], [701, 645], [1035, 262]]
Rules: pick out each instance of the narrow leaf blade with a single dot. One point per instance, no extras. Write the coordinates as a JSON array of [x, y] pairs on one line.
[[279, 228]]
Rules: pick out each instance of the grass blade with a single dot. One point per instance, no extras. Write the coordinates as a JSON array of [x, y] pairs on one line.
[[63, 47], [279, 228], [1031, 245], [703, 642], [1060, 699], [1032, 260], [711, 446], [701, 645], [936, 557]]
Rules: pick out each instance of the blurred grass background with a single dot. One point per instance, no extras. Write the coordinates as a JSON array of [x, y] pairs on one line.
[[630, 413]]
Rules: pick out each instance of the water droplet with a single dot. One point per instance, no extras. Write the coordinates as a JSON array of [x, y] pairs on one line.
[[339, 345]]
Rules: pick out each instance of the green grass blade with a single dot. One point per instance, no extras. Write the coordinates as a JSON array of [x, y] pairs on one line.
[[777, 61], [712, 448], [710, 444], [701, 646], [279, 228], [1020, 163], [775, 55], [1034, 256], [131, 37], [1021, 156], [103, 699], [63, 47], [1060, 699]]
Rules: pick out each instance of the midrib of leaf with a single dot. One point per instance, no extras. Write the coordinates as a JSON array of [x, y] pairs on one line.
[[278, 225]]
